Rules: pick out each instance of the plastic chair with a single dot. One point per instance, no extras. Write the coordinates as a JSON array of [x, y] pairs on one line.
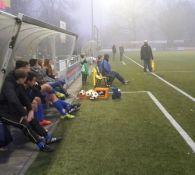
[[98, 78]]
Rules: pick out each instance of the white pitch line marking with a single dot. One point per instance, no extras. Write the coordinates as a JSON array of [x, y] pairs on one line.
[[168, 83], [173, 122], [175, 71], [134, 92]]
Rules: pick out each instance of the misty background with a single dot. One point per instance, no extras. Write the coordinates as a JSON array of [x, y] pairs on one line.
[[116, 20]]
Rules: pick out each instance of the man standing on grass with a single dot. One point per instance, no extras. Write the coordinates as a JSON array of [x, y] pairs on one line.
[[114, 51], [146, 56], [121, 51]]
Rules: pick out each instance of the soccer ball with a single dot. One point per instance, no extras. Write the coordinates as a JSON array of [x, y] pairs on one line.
[[89, 93], [82, 93], [94, 96]]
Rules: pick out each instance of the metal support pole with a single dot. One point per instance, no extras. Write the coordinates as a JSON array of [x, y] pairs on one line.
[[92, 21], [10, 47]]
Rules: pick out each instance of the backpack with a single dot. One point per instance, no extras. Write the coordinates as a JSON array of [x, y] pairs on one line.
[[84, 69], [5, 135], [116, 93]]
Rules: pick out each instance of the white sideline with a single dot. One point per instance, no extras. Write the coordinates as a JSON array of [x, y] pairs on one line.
[[175, 71], [173, 122], [134, 92], [168, 83]]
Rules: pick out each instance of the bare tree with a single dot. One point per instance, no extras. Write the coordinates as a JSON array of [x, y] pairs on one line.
[[130, 18], [176, 20]]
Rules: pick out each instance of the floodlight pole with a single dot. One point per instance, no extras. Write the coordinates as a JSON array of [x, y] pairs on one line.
[[92, 21], [92, 26], [96, 34]]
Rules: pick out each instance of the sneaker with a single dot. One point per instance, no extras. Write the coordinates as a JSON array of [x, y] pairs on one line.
[[45, 122], [76, 105], [54, 140], [46, 148], [68, 116], [60, 95], [73, 110], [126, 82]]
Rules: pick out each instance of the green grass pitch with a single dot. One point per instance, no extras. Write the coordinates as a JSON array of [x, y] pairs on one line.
[[130, 136]]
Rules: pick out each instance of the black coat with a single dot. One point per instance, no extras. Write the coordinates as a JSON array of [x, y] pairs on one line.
[[121, 50], [113, 49], [35, 91], [146, 52], [13, 98]]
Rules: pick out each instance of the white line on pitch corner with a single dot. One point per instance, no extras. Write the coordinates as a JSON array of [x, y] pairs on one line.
[[170, 118], [134, 92], [173, 122], [168, 83]]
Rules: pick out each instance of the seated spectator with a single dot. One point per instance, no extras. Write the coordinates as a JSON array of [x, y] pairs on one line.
[[16, 110], [47, 95], [41, 73], [106, 71], [48, 68], [40, 63], [97, 76], [42, 79], [33, 91], [36, 101], [22, 65], [97, 67], [99, 62]]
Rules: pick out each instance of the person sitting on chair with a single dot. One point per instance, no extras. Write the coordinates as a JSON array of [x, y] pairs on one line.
[[97, 76], [106, 71]]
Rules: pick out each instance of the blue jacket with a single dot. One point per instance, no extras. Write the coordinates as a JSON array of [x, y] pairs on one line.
[[105, 67], [99, 64]]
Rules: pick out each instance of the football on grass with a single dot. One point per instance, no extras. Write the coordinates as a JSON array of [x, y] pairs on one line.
[[82, 93], [94, 95]]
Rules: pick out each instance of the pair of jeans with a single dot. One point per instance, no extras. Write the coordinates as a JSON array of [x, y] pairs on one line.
[[116, 75], [147, 65]]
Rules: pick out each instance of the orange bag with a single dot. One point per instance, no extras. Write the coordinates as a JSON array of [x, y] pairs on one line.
[[103, 93]]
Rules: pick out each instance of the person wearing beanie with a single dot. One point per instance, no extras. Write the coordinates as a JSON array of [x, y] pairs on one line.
[[146, 55], [106, 71]]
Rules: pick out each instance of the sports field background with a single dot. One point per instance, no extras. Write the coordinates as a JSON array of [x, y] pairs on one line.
[[131, 135]]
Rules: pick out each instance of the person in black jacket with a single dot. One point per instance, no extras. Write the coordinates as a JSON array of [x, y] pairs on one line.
[[114, 52], [16, 110], [121, 51], [146, 56]]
